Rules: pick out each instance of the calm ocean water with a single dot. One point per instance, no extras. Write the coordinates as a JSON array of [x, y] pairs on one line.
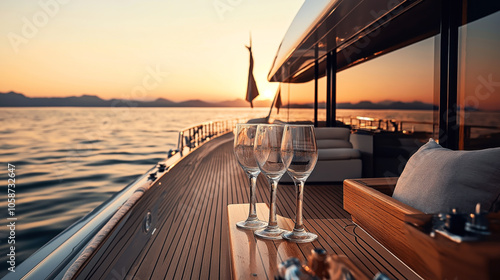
[[69, 160]]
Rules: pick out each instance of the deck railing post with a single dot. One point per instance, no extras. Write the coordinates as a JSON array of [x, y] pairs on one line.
[[180, 142], [190, 138]]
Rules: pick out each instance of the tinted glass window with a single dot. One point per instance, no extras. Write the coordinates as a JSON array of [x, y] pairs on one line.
[[479, 83]]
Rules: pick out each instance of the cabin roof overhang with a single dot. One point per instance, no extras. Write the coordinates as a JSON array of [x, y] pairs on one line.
[[357, 30]]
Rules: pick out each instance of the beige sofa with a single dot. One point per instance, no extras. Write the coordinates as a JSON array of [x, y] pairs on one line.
[[337, 159]]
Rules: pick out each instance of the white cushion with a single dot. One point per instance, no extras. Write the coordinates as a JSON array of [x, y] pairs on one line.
[[338, 154], [436, 180], [341, 133], [332, 143]]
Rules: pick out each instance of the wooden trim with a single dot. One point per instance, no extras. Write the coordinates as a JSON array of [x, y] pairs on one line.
[[450, 260], [383, 218], [373, 194], [400, 228]]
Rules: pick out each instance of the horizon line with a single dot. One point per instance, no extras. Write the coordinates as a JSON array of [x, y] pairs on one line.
[[202, 100]]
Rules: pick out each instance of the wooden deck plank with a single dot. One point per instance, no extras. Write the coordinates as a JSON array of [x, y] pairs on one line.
[[167, 229], [191, 240], [199, 203], [143, 269], [199, 224], [190, 216]]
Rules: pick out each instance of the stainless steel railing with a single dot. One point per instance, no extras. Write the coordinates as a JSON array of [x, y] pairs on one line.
[[193, 136], [368, 123]]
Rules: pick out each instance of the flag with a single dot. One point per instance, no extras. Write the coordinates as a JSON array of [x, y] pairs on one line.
[[278, 103], [252, 90]]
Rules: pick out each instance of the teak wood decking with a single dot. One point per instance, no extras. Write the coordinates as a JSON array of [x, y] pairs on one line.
[[189, 238]]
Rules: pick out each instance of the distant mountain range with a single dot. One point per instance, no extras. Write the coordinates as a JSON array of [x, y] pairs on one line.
[[13, 99]]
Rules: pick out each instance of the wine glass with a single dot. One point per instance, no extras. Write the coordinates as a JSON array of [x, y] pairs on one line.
[[244, 140], [267, 150], [300, 154]]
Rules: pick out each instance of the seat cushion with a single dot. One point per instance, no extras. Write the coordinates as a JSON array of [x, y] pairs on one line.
[[436, 180], [341, 133], [332, 143], [338, 154]]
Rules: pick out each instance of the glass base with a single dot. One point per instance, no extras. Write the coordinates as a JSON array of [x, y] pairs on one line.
[[251, 225], [269, 233], [299, 236]]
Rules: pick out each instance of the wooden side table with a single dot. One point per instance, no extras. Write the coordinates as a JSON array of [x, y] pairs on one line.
[[254, 258]]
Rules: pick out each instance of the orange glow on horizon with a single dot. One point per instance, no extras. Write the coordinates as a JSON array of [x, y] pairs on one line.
[[180, 51], [140, 50]]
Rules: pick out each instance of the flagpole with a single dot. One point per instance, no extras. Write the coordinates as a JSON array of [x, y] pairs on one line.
[[274, 101]]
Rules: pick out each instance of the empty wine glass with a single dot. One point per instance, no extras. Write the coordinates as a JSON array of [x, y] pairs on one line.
[[244, 140], [267, 150], [300, 154]]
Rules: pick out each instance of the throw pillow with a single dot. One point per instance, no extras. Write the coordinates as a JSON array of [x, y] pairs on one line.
[[436, 179]]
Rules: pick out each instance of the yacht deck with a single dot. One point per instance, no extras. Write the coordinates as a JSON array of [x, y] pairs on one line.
[[189, 236]]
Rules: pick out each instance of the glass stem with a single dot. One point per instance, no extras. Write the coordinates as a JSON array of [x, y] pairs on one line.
[[273, 223], [299, 191], [252, 215]]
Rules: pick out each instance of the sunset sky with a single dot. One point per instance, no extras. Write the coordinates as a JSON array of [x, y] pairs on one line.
[[181, 50], [192, 49]]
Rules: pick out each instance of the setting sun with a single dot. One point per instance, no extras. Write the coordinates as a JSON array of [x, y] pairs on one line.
[[267, 94]]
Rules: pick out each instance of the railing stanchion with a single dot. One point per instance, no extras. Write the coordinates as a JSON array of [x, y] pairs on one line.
[[190, 138]]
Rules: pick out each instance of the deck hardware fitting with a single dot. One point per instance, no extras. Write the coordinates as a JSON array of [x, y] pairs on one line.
[[161, 166], [152, 176], [147, 222]]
